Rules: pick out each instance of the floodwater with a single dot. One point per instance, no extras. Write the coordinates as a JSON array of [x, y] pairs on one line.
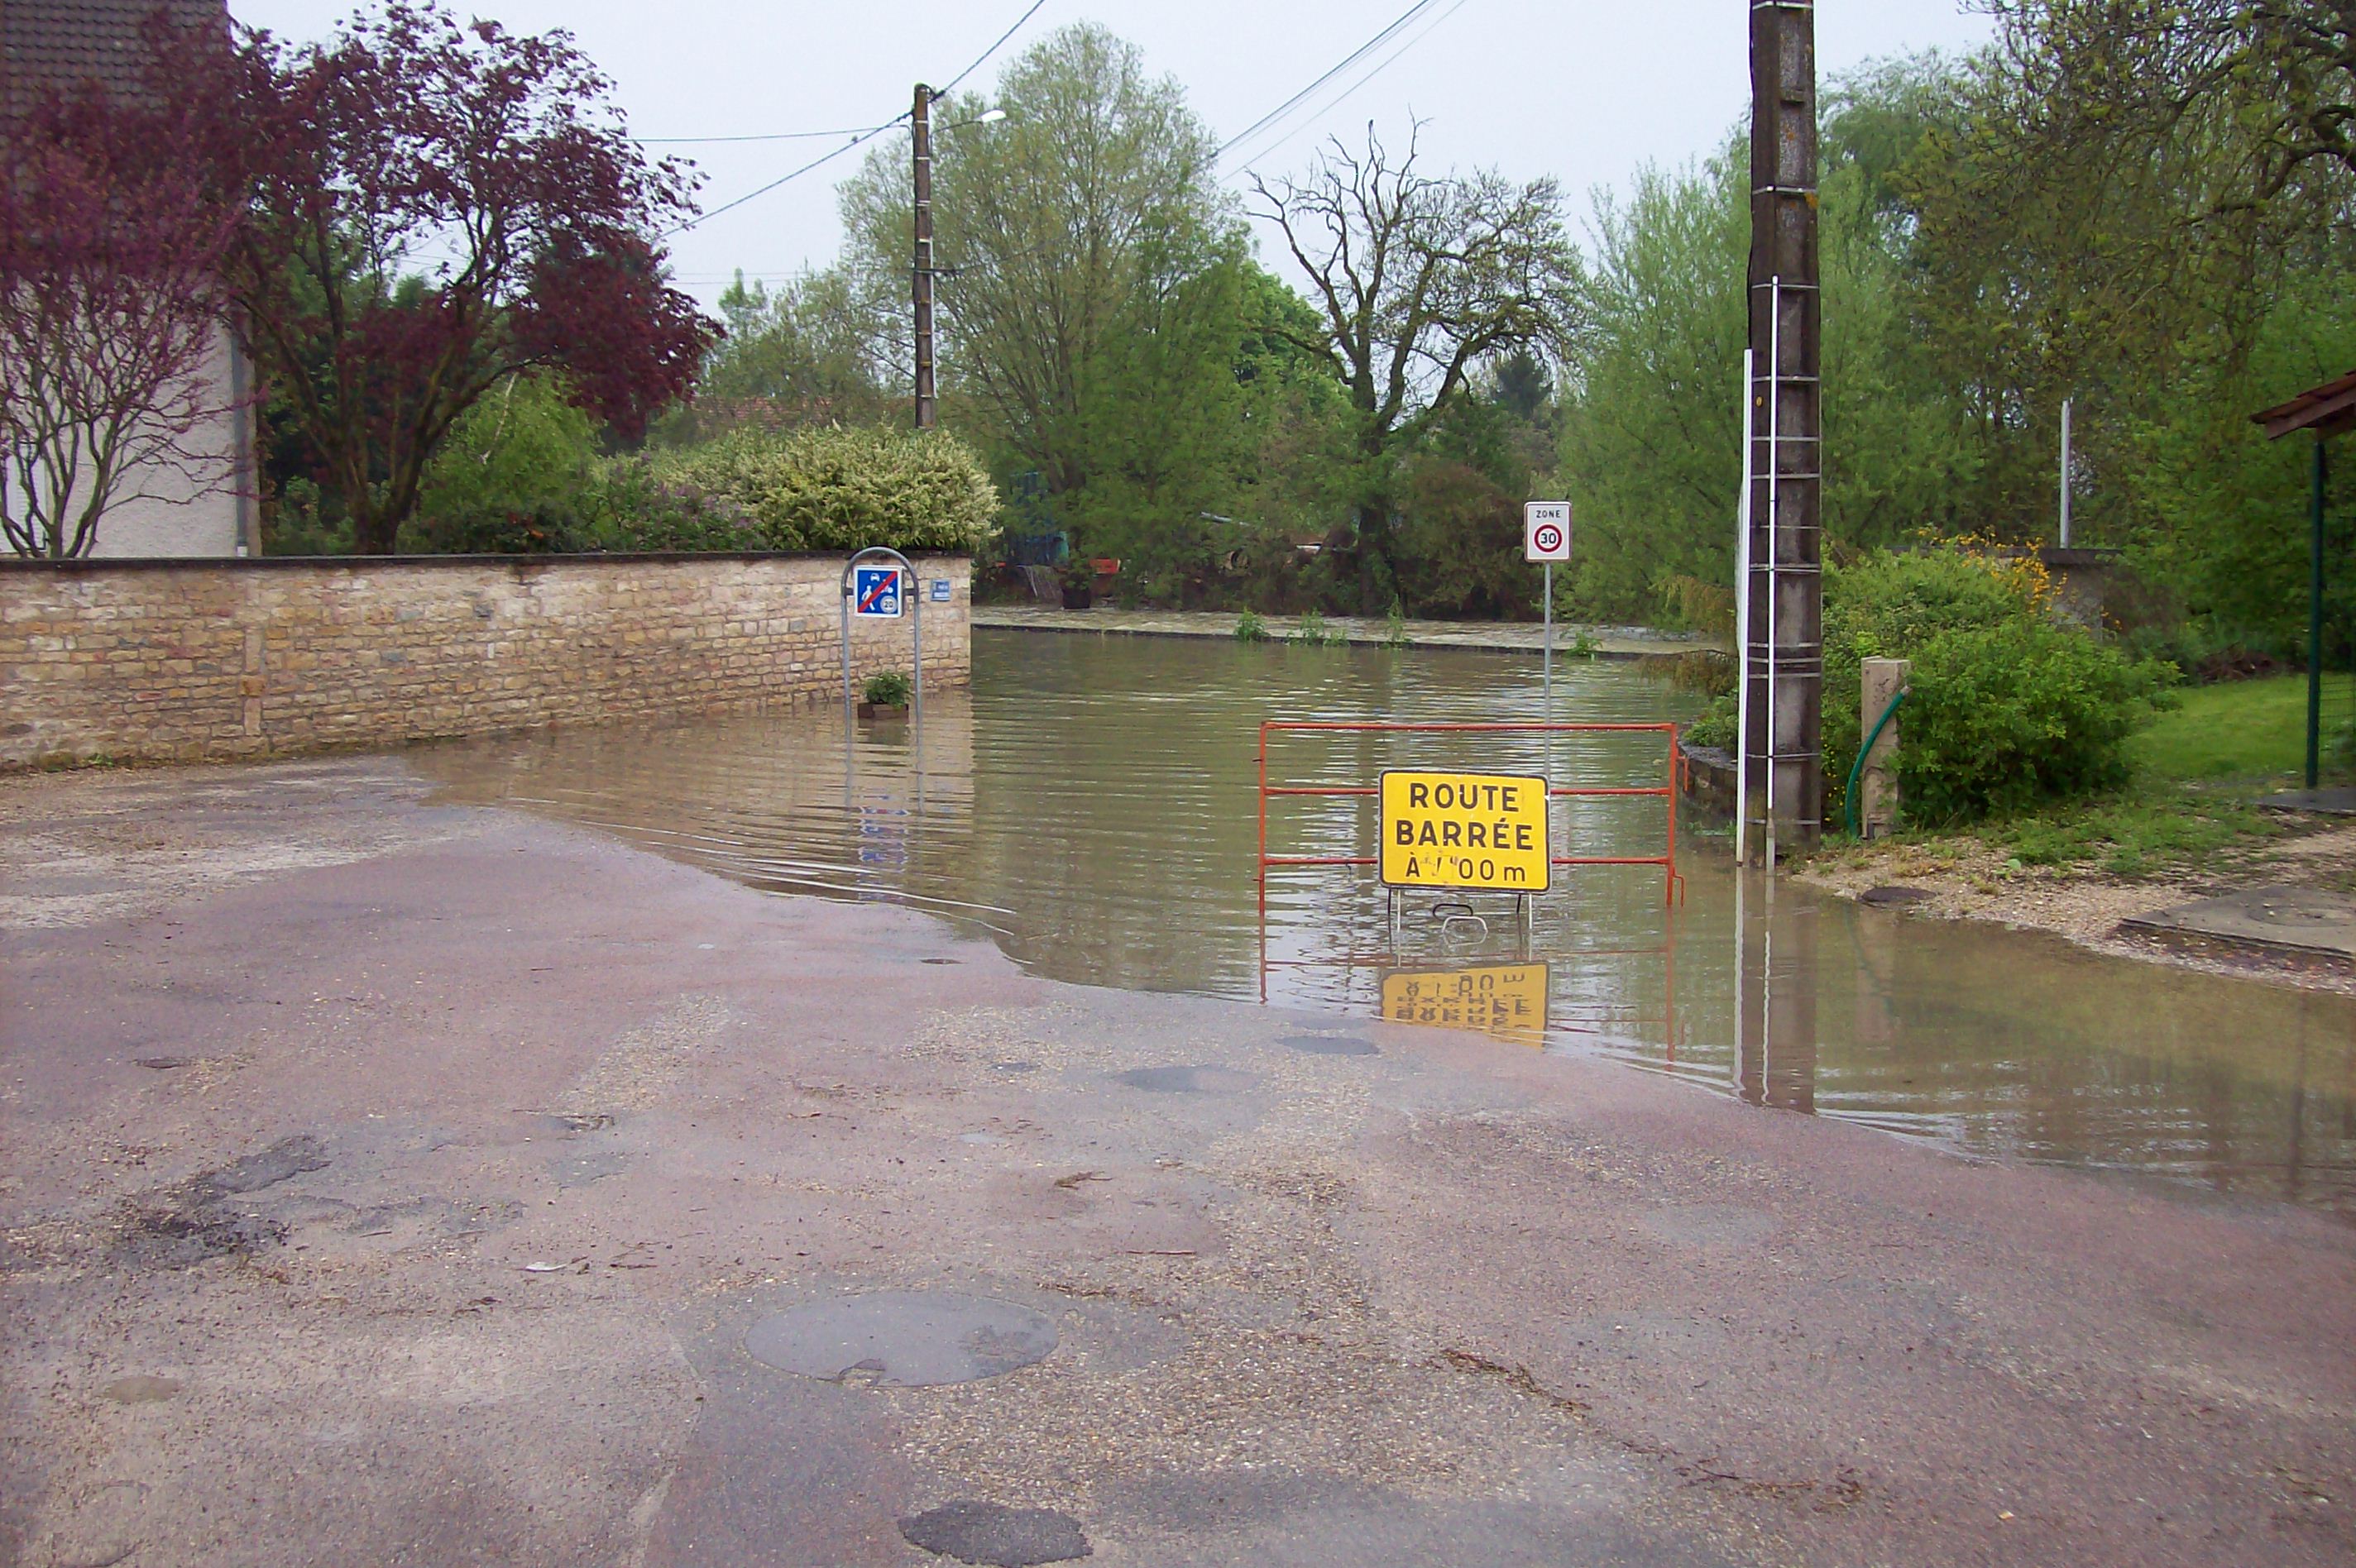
[[1091, 805]]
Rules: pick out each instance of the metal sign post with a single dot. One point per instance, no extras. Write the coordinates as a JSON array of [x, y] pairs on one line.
[[1546, 539], [1743, 630], [881, 594]]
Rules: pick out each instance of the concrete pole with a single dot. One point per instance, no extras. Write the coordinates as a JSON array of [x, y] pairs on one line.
[[921, 119], [1783, 734], [1877, 815]]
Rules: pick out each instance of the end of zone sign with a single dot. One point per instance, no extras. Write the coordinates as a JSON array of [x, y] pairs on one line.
[[1546, 531], [875, 590], [1485, 832]]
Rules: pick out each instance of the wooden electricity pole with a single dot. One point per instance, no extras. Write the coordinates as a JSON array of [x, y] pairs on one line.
[[921, 116], [1785, 594]]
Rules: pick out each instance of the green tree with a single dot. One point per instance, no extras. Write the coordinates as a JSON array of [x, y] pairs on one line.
[[1082, 225], [1651, 447], [1651, 453], [803, 353], [2150, 209]]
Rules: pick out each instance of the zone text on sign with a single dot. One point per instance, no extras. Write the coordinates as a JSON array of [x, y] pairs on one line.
[[1479, 831]]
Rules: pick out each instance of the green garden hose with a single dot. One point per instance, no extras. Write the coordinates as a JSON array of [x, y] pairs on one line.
[[1857, 769]]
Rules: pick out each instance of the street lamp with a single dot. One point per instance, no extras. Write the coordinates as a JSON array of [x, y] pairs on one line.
[[921, 119]]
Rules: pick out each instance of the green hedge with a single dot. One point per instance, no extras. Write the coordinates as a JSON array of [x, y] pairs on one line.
[[833, 488], [521, 474]]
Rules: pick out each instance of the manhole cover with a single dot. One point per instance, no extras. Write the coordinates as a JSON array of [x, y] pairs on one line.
[[1331, 1044], [902, 1339]]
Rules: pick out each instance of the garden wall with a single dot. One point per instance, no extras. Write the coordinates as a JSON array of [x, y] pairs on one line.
[[192, 661]]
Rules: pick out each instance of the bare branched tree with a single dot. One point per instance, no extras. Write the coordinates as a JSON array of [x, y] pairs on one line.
[[109, 313], [1421, 279]]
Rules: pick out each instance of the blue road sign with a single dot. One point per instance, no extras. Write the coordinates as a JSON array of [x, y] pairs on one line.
[[940, 589], [875, 590]]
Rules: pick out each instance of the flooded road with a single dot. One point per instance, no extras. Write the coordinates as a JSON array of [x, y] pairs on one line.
[[1090, 806]]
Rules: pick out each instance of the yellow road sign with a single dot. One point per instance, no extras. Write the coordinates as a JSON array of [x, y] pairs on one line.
[[1507, 1000], [1483, 831]]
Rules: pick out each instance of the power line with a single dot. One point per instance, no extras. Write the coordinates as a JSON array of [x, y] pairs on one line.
[[865, 136], [1346, 61], [1343, 96], [945, 91], [765, 136], [858, 138]]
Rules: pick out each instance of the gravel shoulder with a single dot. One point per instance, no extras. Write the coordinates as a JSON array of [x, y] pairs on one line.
[[1964, 878]]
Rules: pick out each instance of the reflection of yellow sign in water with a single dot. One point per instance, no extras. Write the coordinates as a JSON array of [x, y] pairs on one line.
[[1464, 830], [1506, 1001]]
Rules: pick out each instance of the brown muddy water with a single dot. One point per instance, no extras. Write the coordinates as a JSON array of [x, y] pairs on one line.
[[1090, 806]]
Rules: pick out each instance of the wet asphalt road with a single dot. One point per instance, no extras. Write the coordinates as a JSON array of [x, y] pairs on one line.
[[384, 1183]]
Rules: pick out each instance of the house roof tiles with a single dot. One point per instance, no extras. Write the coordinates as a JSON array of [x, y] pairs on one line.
[[63, 44]]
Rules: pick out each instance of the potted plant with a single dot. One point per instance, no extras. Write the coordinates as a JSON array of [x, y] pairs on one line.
[[1079, 579], [885, 696]]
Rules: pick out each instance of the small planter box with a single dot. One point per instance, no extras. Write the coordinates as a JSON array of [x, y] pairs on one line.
[[883, 710], [1078, 598]]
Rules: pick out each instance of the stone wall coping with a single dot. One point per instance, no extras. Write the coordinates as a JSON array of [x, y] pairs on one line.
[[372, 562]]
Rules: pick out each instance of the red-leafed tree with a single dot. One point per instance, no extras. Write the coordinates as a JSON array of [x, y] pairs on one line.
[[109, 311], [432, 208]]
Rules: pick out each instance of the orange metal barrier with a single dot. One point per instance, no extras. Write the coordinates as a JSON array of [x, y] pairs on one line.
[[1672, 887]]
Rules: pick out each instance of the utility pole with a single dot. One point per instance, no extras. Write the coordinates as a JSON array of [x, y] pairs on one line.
[[921, 117], [1784, 596]]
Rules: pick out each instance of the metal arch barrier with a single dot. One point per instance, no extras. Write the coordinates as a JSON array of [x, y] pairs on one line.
[[912, 594], [1672, 889]]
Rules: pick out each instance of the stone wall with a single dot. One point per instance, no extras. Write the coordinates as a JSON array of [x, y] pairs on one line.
[[189, 661]]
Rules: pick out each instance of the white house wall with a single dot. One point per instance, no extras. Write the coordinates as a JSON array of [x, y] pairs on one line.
[[168, 514]]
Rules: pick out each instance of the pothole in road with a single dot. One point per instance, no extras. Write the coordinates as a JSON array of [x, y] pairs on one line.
[[902, 1339], [197, 1220], [980, 1532]]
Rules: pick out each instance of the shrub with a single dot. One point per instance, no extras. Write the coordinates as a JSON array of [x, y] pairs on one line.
[[2007, 715], [1314, 633], [632, 508], [1250, 628], [832, 488], [1890, 605], [889, 689], [511, 478], [1716, 726]]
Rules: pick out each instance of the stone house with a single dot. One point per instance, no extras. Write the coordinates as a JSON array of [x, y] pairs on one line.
[[49, 45]]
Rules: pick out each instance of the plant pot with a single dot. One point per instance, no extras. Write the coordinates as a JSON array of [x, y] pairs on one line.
[[883, 710], [1078, 598]]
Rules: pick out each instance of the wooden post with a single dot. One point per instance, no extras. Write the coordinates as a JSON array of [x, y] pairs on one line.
[[1878, 810]]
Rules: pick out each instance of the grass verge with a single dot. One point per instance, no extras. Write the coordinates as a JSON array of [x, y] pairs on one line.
[[2198, 769]]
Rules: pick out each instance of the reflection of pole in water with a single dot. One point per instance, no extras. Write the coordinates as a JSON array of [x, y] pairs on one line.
[[1776, 1010]]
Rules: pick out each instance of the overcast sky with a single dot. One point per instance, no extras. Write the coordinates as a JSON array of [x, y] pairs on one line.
[[1584, 90]]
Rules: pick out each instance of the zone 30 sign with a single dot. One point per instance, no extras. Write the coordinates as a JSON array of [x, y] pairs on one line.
[[1481, 831]]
